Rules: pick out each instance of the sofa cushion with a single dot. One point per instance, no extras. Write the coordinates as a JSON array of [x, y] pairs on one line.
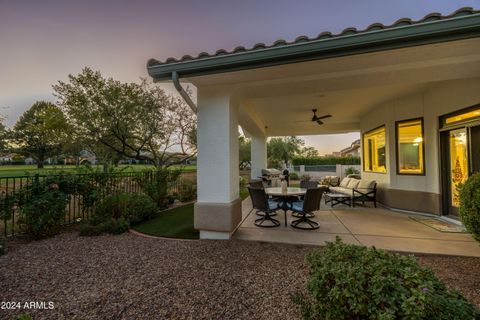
[[341, 190], [353, 183], [366, 184], [345, 182]]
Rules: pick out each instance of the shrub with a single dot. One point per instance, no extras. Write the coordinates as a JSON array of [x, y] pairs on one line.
[[353, 282], [305, 177], [294, 176], [42, 208], [132, 207], [470, 205], [242, 181], [113, 226], [188, 192], [88, 230], [325, 160], [157, 184], [351, 170]]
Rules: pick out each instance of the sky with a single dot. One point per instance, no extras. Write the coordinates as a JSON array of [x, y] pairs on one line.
[[42, 41]]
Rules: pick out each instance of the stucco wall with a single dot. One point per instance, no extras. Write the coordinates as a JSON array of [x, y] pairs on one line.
[[429, 104]]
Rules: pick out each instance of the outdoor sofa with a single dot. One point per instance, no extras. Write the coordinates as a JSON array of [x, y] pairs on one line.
[[358, 189]]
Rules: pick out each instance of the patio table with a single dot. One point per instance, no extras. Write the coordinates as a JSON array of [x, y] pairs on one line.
[[291, 191]]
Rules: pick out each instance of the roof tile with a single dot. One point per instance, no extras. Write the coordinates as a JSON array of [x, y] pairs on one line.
[[348, 31]]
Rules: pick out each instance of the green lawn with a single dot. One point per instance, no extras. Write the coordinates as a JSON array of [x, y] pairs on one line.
[[173, 223], [21, 170]]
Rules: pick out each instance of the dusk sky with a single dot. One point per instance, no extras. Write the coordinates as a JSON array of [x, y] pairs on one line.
[[41, 42]]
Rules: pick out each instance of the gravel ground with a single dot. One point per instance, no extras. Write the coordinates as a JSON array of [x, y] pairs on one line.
[[131, 277]]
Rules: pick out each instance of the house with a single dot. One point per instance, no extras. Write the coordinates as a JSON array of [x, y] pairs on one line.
[[411, 89], [352, 151]]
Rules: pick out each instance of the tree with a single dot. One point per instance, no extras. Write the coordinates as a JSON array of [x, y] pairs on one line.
[[309, 152], [40, 132], [284, 148], [136, 121], [244, 152]]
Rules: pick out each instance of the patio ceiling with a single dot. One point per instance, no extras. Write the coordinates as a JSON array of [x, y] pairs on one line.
[[281, 97]]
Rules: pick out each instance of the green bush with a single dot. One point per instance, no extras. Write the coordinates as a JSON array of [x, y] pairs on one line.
[[470, 205], [353, 282], [188, 192], [88, 230], [42, 208], [134, 208], [112, 226], [351, 170], [294, 176], [326, 160], [156, 184]]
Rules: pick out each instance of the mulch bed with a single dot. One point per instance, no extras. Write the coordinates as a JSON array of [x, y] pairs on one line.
[[131, 277]]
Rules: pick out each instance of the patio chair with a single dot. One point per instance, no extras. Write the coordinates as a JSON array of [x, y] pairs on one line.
[[261, 203], [305, 184], [256, 183], [306, 207]]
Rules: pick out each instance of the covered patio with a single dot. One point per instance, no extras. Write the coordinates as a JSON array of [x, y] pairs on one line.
[[379, 227], [368, 81]]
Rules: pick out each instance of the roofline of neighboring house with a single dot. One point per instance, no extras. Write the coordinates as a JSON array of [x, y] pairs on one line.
[[433, 28]]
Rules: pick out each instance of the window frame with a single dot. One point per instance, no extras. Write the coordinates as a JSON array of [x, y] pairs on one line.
[[364, 149], [397, 149]]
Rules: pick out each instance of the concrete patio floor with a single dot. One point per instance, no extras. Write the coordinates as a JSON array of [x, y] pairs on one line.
[[379, 227]]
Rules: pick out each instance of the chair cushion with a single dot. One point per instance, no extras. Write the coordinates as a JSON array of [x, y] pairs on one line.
[[345, 182], [297, 206], [272, 204], [366, 184], [353, 183]]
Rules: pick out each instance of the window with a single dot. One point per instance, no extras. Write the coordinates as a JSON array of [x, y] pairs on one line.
[[374, 150], [410, 147], [471, 114]]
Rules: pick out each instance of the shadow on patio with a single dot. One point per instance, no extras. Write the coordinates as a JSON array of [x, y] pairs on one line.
[[382, 228]]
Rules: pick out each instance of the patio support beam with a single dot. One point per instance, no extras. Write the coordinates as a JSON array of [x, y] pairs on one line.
[[218, 208], [258, 155]]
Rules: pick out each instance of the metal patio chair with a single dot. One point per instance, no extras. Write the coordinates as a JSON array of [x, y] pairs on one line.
[[306, 208], [261, 203]]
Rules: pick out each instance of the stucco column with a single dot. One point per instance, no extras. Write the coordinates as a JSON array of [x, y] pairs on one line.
[[218, 209], [258, 155]]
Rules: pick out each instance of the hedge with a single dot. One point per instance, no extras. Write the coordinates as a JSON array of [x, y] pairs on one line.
[[329, 160]]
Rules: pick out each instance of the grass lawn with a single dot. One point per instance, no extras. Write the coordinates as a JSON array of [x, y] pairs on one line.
[[173, 223], [22, 170]]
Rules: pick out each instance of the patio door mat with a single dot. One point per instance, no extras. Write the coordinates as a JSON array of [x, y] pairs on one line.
[[440, 225]]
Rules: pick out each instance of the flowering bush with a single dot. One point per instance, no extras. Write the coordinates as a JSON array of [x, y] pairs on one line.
[[353, 282]]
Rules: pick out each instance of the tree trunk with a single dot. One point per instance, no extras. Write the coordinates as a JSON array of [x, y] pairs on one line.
[[40, 163]]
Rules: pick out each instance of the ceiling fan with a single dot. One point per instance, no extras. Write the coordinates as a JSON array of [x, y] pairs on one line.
[[316, 118]]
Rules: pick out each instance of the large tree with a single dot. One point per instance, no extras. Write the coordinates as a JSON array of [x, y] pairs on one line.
[[136, 121], [40, 132], [284, 148]]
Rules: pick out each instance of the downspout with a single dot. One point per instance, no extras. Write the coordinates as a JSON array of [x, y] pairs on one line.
[[183, 93]]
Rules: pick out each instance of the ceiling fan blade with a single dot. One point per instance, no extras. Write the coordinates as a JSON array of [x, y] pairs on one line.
[[324, 117], [319, 122]]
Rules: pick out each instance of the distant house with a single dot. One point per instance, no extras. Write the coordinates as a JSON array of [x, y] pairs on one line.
[[352, 151]]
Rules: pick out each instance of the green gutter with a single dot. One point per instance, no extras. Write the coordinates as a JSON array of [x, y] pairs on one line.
[[457, 28]]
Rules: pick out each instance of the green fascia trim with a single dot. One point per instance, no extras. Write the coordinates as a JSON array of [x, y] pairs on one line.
[[405, 36]]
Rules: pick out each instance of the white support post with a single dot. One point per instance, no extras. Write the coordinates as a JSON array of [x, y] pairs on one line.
[[218, 209], [258, 156]]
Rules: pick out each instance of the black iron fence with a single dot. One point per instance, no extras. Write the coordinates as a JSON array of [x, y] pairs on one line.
[[77, 208]]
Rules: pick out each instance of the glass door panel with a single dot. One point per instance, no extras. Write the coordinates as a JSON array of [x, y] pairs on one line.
[[458, 162]]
